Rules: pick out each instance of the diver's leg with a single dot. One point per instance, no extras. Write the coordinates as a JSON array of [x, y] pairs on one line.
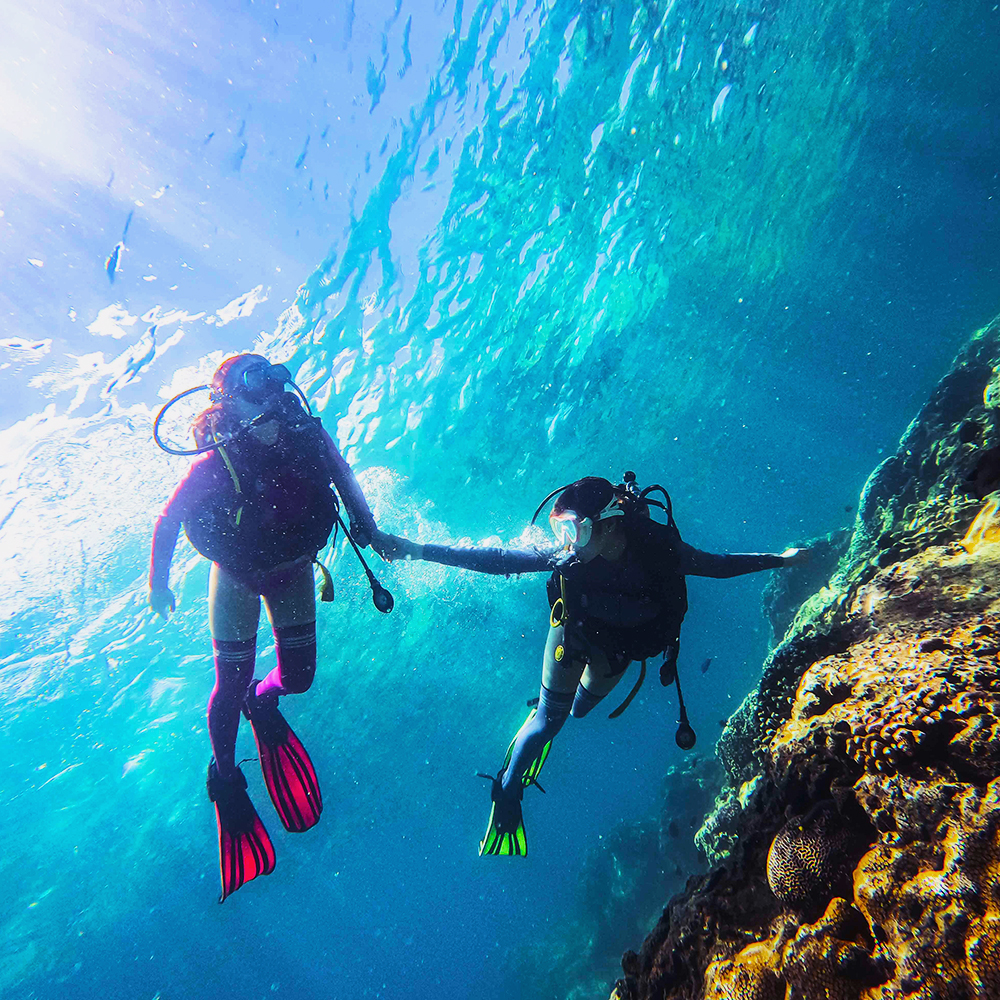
[[559, 681], [233, 612], [291, 607], [598, 680]]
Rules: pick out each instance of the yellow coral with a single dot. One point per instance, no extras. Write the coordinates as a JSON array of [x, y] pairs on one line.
[[985, 529], [749, 975], [825, 960]]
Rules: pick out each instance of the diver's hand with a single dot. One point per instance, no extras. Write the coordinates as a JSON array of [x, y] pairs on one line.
[[794, 557], [162, 601], [391, 547], [563, 557]]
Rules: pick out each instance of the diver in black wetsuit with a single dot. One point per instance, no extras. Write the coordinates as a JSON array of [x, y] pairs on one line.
[[617, 593]]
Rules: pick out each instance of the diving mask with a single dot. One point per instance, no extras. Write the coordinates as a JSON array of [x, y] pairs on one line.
[[259, 382], [571, 529]]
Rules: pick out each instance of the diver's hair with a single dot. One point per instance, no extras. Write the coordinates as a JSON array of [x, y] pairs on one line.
[[587, 497], [209, 423]]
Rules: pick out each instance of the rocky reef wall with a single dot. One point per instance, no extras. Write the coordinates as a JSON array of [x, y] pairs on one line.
[[855, 848]]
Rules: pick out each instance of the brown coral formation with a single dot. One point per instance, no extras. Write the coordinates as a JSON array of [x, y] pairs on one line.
[[859, 838], [807, 856]]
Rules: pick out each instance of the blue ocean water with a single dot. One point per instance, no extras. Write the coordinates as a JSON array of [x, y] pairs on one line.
[[731, 248]]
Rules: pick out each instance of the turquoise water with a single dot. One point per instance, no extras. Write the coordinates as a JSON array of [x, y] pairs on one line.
[[730, 248]]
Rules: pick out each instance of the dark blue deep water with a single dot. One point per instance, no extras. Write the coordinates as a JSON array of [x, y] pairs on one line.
[[730, 246]]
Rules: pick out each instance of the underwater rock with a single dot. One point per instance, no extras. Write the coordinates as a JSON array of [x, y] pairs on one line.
[[857, 842], [784, 593]]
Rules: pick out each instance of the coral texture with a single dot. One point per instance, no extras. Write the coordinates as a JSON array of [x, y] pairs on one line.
[[857, 843]]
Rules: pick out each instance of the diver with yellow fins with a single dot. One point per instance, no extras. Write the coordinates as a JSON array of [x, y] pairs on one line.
[[616, 594]]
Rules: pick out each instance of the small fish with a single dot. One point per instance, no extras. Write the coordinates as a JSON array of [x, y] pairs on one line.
[[723, 723], [9, 514], [111, 179], [133, 762], [751, 34], [848, 508], [114, 262], [208, 138], [706, 665], [720, 101], [302, 155]]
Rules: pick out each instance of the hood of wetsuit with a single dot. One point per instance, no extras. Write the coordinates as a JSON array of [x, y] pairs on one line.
[[248, 376]]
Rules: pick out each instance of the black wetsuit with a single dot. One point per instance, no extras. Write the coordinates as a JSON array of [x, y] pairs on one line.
[[630, 609]]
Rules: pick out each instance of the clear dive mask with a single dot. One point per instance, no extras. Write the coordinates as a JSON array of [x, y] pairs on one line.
[[572, 530]]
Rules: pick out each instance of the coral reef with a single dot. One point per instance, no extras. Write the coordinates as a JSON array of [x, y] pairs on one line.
[[856, 844], [784, 593]]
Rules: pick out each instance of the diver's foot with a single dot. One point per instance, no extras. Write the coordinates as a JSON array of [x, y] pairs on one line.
[[505, 831], [251, 699], [284, 763], [218, 785], [245, 849]]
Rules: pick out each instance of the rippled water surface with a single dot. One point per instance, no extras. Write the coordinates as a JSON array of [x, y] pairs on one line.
[[730, 247]]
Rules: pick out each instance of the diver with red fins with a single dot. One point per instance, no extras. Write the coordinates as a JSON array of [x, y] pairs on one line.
[[616, 594], [259, 502]]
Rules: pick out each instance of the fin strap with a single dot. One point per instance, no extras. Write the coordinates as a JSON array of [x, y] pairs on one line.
[[635, 690]]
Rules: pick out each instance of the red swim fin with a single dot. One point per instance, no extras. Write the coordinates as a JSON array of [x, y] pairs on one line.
[[288, 772], [245, 849]]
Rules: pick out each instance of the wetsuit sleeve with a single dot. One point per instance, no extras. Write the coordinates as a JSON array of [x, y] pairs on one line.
[[694, 562], [168, 526], [502, 562], [362, 521]]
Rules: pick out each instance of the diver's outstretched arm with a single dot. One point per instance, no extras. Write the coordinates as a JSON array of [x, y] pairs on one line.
[[501, 562], [694, 562]]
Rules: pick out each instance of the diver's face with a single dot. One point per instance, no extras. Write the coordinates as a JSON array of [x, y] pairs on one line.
[[245, 410], [585, 538], [604, 541]]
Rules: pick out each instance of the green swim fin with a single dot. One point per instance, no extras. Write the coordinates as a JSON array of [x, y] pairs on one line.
[[505, 832]]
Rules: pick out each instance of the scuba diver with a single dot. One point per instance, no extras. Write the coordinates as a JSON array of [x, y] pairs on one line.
[[258, 502], [616, 593]]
